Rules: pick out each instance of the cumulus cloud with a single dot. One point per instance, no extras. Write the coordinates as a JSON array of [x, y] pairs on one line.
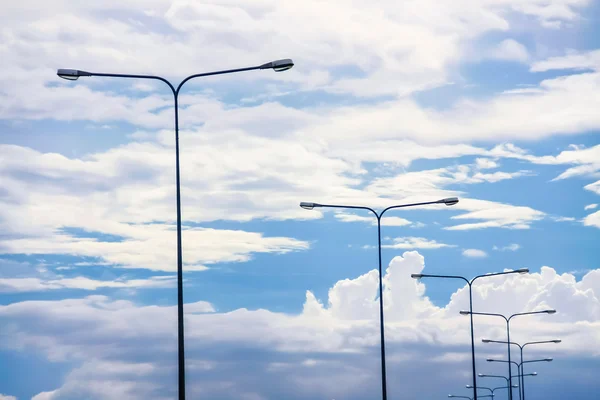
[[590, 206], [7, 397], [341, 331], [474, 253]]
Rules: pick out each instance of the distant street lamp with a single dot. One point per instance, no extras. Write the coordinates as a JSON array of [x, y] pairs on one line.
[[508, 333], [504, 377], [522, 373], [470, 283], [520, 365], [309, 206], [490, 389], [74, 74]]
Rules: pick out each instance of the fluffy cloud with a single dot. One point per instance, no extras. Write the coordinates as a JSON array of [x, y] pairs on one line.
[[151, 247], [6, 397], [386, 221], [592, 219], [590, 206], [511, 50], [510, 247], [415, 243], [296, 348], [12, 285], [474, 253]]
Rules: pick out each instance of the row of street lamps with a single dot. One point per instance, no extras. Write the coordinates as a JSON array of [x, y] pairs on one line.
[[449, 202], [278, 66]]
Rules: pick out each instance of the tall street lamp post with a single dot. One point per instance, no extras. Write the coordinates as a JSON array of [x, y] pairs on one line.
[[523, 374], [508, 334], [470, 283], [74, 74], [309, 206]]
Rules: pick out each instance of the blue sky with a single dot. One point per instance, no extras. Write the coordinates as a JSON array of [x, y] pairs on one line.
[[494, 102]]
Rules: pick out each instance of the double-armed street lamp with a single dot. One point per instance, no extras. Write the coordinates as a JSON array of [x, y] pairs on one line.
[[309, 206], [507, 320], [505, 378], [522, 374], [520, 366], [74, 74], [492, 390], [470, 283]]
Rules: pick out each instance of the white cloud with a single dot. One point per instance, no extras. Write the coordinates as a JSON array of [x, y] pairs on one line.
[[151, 246], [495, 215], [13, 285], [474, 253], [590, 206], [593, 187], [339, 332], [592, 220], [510, 247], [411, 242], [572, 60], [510, 50], [386, 221], [7, 397], [485, 163]]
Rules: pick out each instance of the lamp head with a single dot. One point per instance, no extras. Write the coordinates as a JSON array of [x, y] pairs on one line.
[[464, 312], [279, 65], [416, 276], [481, 375], [449, 201], [485, 340], [71, 74], [548, 359], [556, 341], [534, 373], [308, 206], [490, 360], [469, 386], [523, 270], [515, 386], [551, 311]]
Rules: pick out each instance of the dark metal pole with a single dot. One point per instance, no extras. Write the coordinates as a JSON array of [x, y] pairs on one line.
[[522, 374], [310, 206], [381, 323], [180, 331], [510, 391], [472, 340]]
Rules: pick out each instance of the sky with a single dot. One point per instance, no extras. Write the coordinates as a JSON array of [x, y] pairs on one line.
[[389, 102]]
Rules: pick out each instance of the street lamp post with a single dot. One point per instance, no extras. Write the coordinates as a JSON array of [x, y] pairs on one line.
[[508, 334], [74, 74], [470, 283], [520, 366], [309, 206], [522, 374]]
